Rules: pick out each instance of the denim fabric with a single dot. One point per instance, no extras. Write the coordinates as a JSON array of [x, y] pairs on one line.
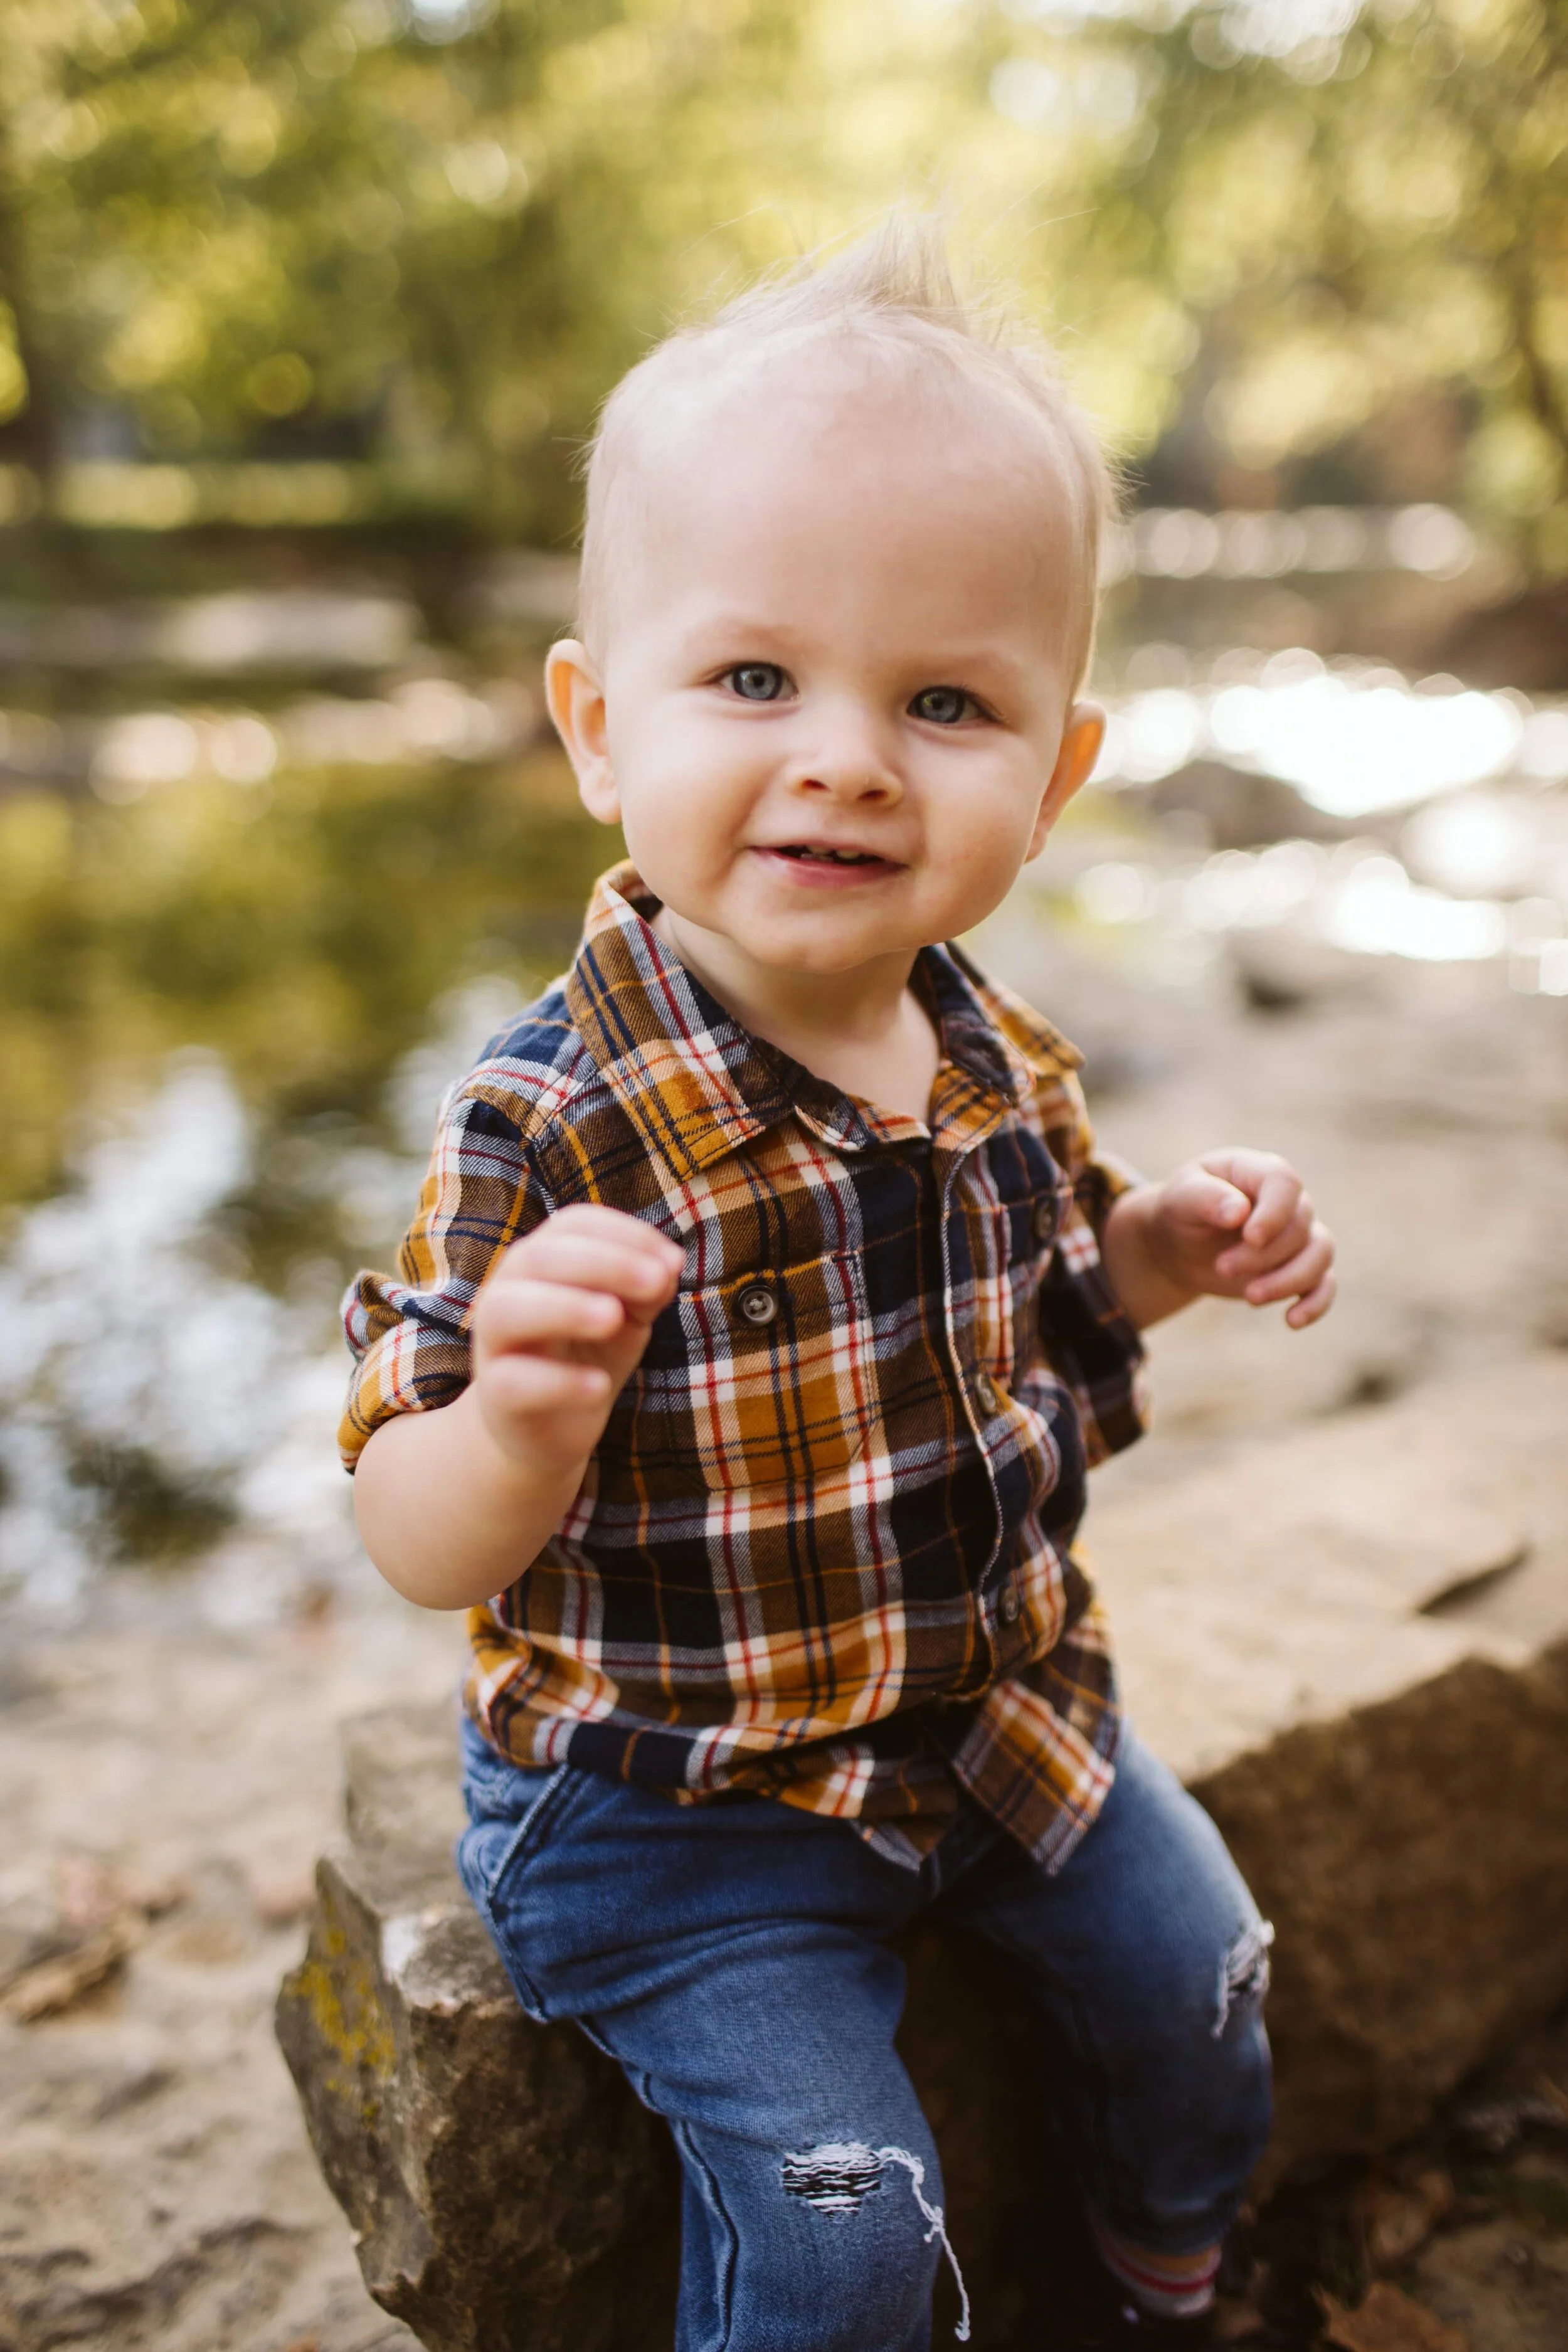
[[733, 1957]]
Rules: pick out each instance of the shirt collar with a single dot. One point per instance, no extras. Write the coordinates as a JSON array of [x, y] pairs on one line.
[[698, 1085]]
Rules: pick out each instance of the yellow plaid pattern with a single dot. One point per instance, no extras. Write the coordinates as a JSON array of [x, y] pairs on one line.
[[824, 1550]]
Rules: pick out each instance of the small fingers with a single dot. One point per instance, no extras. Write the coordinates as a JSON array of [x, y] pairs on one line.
[[1248, 1261], [529, 1313], [603, 1261], [1198, 1196], [1279, 1199], [1269, 1182], [588, 1222], [1300, 1277], [1316, 1303], [522, 1384], [591, 1221]]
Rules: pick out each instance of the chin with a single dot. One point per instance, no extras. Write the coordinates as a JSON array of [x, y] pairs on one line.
[[815, 946]]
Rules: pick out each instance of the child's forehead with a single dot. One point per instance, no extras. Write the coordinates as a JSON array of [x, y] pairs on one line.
[[795, 449], [805, 400], [932, 452], [889, 570]]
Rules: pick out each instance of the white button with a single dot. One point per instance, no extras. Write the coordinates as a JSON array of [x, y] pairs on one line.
[[985, 1391], [757, 1303], [1045, 1218], [1010, 1604]]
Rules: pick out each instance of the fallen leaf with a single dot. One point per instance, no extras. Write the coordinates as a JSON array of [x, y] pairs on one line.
[[1389, 2322], [1400, 2216], [53, 1985], [1553, 2093]]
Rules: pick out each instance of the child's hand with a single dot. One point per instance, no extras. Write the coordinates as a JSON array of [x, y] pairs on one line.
[[1240, 1224], [558, 1327], [1235, 1224]]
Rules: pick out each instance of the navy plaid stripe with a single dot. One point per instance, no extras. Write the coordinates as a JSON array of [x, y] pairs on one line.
[[826, 1556]]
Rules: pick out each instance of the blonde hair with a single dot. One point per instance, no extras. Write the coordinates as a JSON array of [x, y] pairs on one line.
[[895, 290]]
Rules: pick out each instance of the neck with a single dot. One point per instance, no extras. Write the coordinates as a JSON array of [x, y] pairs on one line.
[[863, 1031], [807, 1014]]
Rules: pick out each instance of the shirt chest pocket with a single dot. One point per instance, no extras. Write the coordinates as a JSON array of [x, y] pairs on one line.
[[762, 1380]]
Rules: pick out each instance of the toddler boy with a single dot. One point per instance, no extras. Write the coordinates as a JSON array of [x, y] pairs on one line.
[[774, 1303]]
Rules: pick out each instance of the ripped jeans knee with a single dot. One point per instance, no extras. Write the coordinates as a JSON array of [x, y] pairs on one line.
[[810, 2244], [837, 2177], [1243, 1975]]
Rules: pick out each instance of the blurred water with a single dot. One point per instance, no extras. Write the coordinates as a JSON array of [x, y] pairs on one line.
[[158, 1406], [152, 1403], [247, 941]]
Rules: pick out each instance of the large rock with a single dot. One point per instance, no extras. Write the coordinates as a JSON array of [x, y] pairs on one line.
[[505, 2189], [1354, 1644]]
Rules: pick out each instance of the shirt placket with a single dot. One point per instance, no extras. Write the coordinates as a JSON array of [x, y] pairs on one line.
[[976, 1390]]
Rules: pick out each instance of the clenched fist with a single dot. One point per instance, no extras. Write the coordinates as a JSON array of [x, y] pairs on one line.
[[559, 1326], [1233, 1224]]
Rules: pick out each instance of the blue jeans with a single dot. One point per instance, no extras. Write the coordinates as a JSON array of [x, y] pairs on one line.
[[734, 1958]]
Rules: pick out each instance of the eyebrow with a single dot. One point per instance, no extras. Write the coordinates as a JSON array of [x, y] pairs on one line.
[[732, 630], [739, 627]]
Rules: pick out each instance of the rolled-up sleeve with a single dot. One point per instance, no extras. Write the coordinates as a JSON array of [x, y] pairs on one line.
[[1088, 1339], [408, 1333]]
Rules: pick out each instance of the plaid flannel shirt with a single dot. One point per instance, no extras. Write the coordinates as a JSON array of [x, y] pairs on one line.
[[823, 1551]]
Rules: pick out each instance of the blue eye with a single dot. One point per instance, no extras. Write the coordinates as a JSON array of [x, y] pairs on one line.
[[945, 706], [757, 681]]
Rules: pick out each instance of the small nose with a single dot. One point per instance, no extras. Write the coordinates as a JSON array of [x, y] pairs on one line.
[[849, 759]]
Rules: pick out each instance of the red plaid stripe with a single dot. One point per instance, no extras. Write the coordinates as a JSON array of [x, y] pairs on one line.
[[828, 1556]]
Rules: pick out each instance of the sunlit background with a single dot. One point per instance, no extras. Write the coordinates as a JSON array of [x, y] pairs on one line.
[[305, 312]]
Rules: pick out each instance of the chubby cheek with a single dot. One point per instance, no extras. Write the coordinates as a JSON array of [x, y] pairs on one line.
[[681, 822], [665, 840], [974, 852]]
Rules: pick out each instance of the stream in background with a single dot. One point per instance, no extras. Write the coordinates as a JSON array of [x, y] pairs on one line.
[[273, 864]]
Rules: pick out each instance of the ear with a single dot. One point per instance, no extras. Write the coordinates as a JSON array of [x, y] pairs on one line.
[[1082, 737], [576, 702]]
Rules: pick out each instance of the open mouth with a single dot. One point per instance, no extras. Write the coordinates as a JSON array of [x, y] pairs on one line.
[[816, 853], [823, 865]]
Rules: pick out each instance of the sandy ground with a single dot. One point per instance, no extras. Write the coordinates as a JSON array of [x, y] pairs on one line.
[[164, 1786], [155, 2184]]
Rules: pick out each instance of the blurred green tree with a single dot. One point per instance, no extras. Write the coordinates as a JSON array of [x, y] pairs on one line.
[[436, 235], [432, 231], [1313, 226]]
